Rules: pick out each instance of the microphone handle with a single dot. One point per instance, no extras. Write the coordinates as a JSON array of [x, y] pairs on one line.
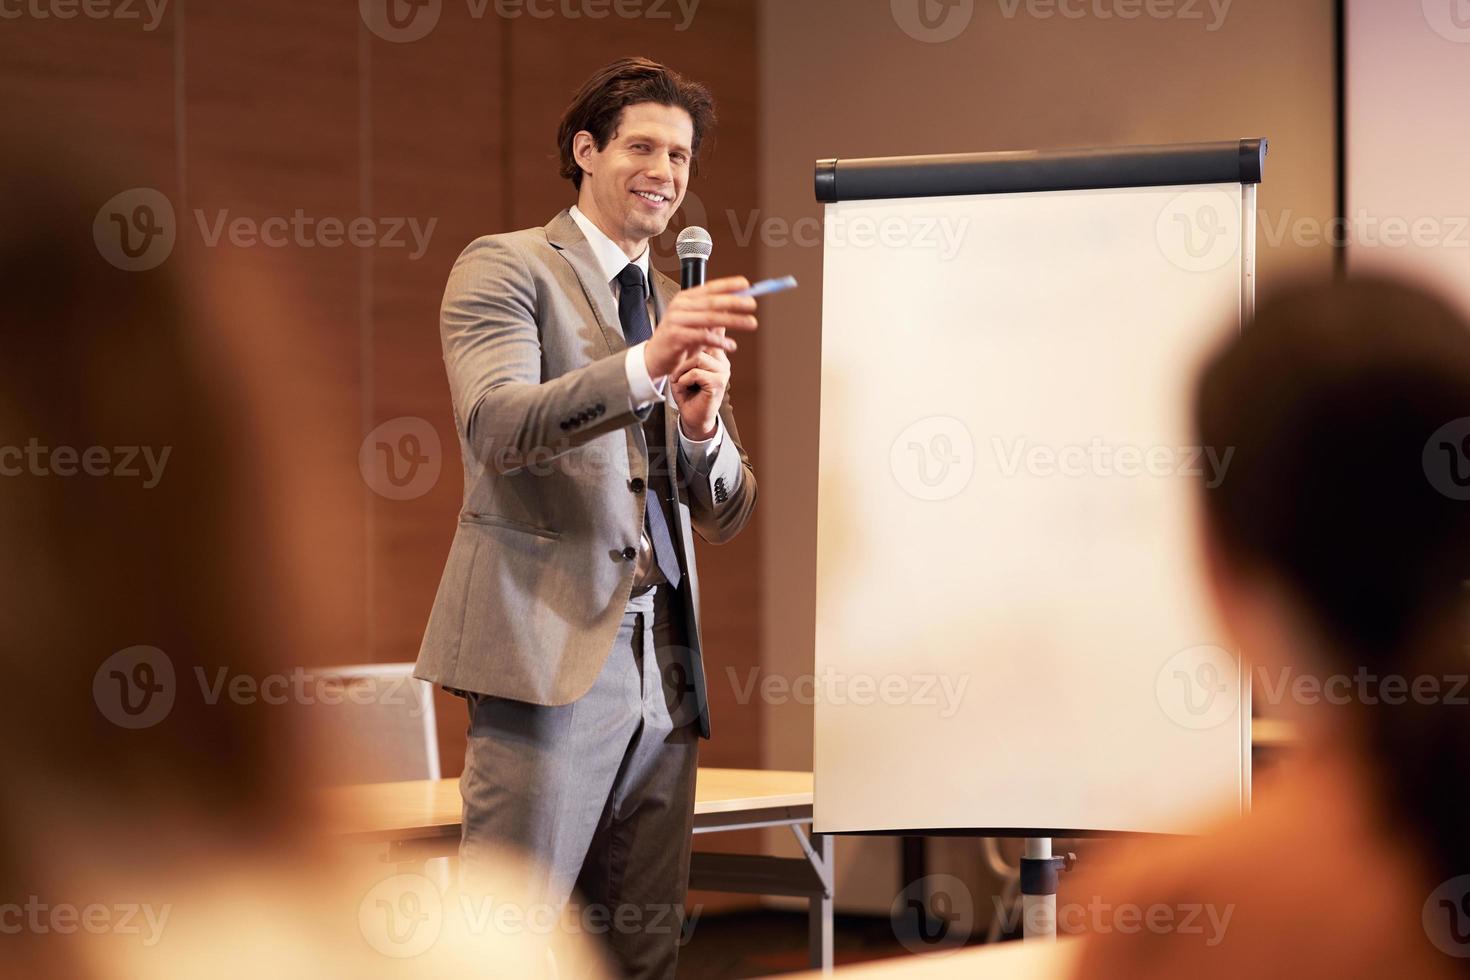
[[691, 272]]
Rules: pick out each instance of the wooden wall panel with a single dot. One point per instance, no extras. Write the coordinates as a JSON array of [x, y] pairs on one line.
[[265, 110]]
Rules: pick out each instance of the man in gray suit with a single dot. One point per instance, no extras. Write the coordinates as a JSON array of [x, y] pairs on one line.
[[594, 447]]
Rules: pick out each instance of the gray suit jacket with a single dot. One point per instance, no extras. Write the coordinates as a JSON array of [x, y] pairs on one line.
[[555, 461]]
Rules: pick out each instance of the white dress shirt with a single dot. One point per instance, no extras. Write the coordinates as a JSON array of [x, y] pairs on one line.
[[644, 389]]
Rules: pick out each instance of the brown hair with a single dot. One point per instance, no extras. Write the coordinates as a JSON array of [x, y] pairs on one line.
[[1348, 405], [598, 106]]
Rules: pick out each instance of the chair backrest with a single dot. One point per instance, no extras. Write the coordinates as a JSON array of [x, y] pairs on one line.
[[371, 723]]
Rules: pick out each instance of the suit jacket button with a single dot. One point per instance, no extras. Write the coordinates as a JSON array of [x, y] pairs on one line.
[[636, 484], [630, 553]]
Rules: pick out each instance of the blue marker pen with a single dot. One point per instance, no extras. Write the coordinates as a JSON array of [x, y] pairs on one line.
[[767, 286]]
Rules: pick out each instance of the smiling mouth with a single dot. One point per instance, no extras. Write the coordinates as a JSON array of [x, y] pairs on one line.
[[657, 200]]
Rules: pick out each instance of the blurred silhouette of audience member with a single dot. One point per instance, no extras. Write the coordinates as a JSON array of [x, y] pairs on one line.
[[1338, 549], [153, 824]]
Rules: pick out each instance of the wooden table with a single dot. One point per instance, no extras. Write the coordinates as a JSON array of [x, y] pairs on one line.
[[1014, 960], [420, 819]]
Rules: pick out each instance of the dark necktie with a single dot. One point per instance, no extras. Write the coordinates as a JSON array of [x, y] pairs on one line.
[[633, 312]]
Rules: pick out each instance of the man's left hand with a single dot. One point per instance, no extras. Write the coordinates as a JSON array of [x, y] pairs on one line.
[[700, 383]]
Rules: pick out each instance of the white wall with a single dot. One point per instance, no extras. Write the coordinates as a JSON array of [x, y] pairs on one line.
[[1408, 140]]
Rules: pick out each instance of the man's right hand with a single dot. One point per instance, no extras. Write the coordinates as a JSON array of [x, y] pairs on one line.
[[696, 319]]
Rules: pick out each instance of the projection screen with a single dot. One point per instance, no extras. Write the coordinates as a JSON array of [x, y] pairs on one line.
[[1011, 632]]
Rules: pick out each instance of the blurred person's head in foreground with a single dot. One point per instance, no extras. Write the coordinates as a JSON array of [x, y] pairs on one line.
[[1340, 538], [1337, 550], [151, 823]]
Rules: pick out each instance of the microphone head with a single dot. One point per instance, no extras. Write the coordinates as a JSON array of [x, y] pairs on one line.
[[694, 243]]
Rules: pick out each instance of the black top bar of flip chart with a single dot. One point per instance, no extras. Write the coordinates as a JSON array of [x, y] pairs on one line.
[[1009, 172]]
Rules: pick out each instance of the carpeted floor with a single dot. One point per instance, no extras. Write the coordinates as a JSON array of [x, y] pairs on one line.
[[762, 943]]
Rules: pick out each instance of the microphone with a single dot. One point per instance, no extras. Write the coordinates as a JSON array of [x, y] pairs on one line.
[[693, 247]]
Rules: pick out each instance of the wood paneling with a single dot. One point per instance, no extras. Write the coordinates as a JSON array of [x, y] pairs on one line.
[[276, 108]]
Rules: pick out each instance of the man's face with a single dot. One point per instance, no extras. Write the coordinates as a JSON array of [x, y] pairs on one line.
[[633, 186]]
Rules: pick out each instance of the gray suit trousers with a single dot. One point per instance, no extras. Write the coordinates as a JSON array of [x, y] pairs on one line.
[[598, 793]]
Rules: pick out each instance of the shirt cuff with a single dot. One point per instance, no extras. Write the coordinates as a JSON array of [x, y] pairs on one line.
[[702, 449], [642, 389]]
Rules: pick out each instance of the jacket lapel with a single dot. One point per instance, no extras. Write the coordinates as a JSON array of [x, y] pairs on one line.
[[564, 235]]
